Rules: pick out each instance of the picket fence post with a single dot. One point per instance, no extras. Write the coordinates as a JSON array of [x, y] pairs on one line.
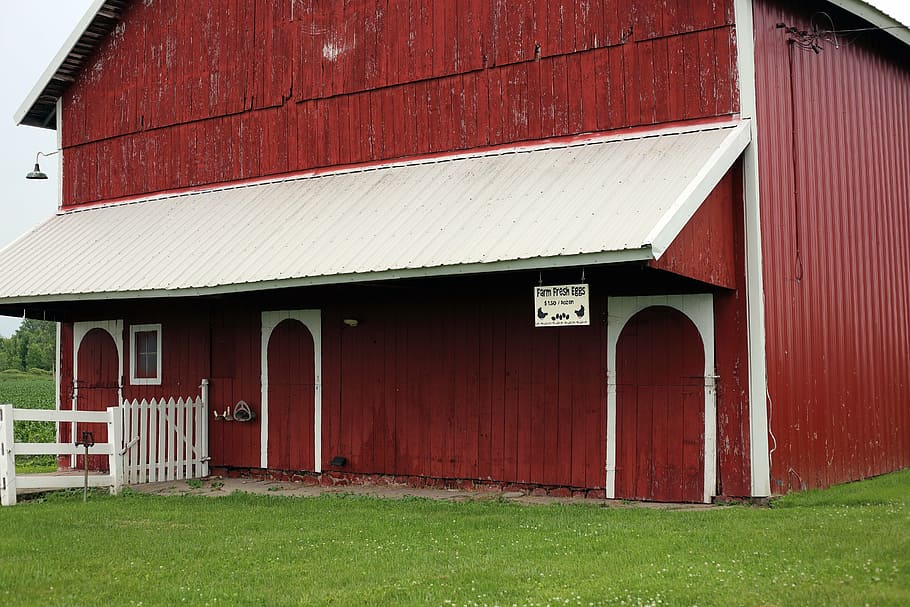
[[116, 442], [7, 457], [202, 436]]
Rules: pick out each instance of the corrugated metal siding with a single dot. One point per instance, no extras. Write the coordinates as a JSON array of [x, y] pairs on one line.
[[212, 92], [590, 198], [837, 276]]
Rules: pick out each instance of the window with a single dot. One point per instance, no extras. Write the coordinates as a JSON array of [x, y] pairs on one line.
[[145, 355]]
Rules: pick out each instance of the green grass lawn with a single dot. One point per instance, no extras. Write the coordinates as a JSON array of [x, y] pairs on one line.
[[846, 546], [30, 390]]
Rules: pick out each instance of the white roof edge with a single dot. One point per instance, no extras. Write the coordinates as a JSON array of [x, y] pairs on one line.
[[690, 199], [537, 263], [58, 60], [876, 17]]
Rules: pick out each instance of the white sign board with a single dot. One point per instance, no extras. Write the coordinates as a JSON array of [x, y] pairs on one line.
[[561, 306]]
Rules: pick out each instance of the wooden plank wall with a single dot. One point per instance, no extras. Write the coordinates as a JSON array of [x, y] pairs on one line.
[[193, 92], [465, 387], [444, 386], [442, 378]]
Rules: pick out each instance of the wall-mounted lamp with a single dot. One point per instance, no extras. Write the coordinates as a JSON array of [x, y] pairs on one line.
[[351, 322], [37, 173]]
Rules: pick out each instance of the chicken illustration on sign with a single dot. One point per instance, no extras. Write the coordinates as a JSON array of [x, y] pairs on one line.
[[561, 306]]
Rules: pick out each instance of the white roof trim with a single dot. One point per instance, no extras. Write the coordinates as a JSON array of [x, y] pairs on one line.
[[690, 199], [540, 263], [876, 17], [58, 60], [427, 160], [586, 202]]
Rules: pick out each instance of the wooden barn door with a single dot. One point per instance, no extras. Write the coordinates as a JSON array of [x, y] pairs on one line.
[[660, 408], [291, 397], [97, 387]]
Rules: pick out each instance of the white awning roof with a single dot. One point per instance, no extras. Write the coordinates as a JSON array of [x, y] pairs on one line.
[[584, 203]]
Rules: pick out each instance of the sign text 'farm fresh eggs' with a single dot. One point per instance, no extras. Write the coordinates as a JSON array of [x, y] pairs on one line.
[[561, 305]]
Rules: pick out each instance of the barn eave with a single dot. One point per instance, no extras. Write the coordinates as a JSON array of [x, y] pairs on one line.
[[596, 201]]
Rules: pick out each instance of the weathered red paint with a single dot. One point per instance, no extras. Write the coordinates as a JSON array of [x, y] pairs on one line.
[[65, 394], [705, 249], [291, 388], [455, 386], [731, 361], [333, 83], [97, 386], [835, 189], [433, 383], [440, 379], [710, 249], [660, 408]]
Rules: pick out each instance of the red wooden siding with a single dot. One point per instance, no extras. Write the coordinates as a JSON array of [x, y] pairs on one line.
[[660, 408], [711, 249], [462, 387], [731, 362], [705, 249], [291, 389], [835, 194], [201, 92], [218, 343], [445, 378], [97, 382], [65, 372], [235, 375]]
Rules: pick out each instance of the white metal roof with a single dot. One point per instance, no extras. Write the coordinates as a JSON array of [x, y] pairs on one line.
[[588, 202], [39, 107]]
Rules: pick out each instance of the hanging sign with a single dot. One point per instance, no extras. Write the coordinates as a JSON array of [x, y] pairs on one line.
[[561, 306]]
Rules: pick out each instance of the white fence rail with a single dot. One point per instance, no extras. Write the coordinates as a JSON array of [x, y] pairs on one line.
[[148, 441], [10, 482]]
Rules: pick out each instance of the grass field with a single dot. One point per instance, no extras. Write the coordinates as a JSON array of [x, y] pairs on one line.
[[30, 390], [846, 546]]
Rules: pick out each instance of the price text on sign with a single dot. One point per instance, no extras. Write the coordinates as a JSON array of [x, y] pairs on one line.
[[561, 306]]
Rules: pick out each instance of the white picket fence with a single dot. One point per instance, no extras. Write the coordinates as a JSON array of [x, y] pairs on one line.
[[148, 441], [168, 440]]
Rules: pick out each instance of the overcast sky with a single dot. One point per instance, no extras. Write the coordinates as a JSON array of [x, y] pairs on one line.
[[31, 33]]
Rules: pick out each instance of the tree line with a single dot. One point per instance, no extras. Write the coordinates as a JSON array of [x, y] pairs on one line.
[[32, 346]]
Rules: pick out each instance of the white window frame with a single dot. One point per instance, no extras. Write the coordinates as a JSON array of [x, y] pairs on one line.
[[144, 381]]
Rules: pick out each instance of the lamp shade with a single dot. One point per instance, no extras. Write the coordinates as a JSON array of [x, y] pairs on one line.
[[36, 173]]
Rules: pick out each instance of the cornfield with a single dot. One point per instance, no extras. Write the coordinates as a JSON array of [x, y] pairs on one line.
[[30, 391]]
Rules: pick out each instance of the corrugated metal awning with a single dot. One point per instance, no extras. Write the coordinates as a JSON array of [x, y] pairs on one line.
[[588, 202]]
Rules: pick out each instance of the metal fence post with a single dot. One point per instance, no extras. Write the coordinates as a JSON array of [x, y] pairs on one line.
[[7, 457]]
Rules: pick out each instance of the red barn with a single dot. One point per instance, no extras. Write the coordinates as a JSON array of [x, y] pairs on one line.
[[629, 248]]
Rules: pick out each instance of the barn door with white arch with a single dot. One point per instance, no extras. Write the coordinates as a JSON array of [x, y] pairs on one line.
[[97, 380], [292, 390], [661, 398]]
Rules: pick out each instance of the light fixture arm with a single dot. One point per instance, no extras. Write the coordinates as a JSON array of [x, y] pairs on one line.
[[45, 154], [37, 173]]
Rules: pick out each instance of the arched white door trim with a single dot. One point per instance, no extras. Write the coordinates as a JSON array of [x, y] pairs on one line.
[[114, 328], [312, 320], [698, 308]]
